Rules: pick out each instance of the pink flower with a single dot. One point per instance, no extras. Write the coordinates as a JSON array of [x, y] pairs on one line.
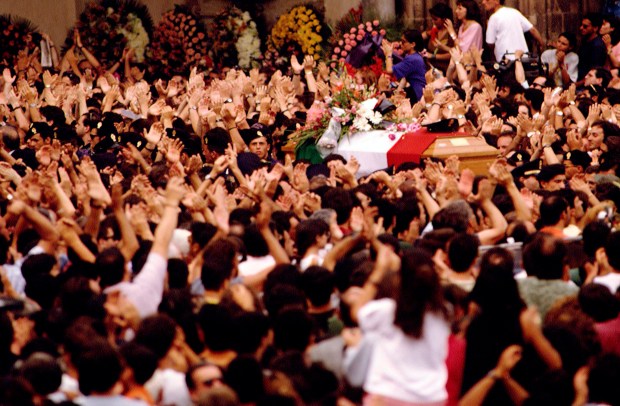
[[382, 31], [375, 23], [343, 53], [347, 41], [347, 47], [360, 37], [337, 50], [374, 33], [341, 60], [341, 42], [346, 36], [353, 30], [361, 27], [392, 137], [353, 44]]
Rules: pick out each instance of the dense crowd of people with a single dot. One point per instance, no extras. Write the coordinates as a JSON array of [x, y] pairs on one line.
[[160, 246]]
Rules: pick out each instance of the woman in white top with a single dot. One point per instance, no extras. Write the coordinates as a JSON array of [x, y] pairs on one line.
[[408, 364], [467, 15], [562, 61]]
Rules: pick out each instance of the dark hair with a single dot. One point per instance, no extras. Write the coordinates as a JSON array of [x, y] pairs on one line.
[[334, 157], [463, 251], [141, 360], [292, 329], [340, 200], [534, 96], [441, 10], [612, 250], [218, 265], [598, 302], [496, 290], [594, 236], [254, 242], [110, 265], [571, 37], [603, 380], [307, 233], [318, 285], [157, 333], [245, 376], [414, 37], [43, 372], [544, 257], [595, 19], [218, 327], [178, 272], [551, 209], [255, 327], [473, 10], [407, 210], [99, 368], [420, 292], [202, 232]]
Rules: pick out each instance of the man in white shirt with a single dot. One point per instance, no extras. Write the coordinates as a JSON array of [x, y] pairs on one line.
[[611, 275], [506, 28]]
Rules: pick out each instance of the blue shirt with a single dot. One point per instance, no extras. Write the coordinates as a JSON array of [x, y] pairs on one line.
[[413, 69]]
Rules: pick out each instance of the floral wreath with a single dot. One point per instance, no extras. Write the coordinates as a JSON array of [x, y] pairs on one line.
[[107, 27], [16, 33], [234, 39], [357, 43], [299, 31], [180, 42]]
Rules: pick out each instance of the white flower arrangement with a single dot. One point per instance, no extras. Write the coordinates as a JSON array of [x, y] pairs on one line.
[[137, 37], [248, 43], [366, 117]]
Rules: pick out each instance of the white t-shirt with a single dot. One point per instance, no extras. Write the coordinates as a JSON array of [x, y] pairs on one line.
[[505, 30], [168, 387], [402, 367], [571, 60], [146, 290], [611, 280], [253, 265]]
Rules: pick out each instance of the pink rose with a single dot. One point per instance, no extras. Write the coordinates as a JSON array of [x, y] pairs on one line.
[[343, 53], [341, 60], [347, 47], [347, 42], [341, 42], [361, 27], [368, 28], [353, 43], [353, 30], [382, 31], [375, 23], [374, 33], [360, 37], [337, 50], [392, 137], [345, 36]]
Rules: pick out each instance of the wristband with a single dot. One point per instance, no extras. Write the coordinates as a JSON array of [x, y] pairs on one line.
[[559, 113], [193, 107], [494, 375]]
